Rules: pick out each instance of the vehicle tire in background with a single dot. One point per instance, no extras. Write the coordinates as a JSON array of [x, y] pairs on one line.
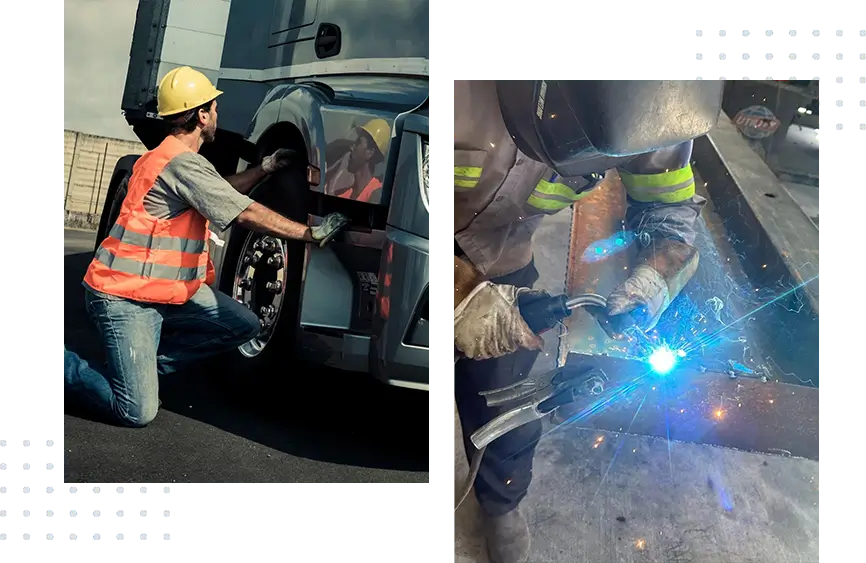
[[116, 195]]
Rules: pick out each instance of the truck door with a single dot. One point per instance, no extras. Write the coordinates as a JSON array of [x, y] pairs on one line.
[[293, 21]]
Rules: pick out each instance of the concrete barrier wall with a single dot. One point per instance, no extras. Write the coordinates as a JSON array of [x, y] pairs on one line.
[[88, 164]]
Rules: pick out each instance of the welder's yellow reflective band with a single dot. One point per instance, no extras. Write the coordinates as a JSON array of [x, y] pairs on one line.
[[466, 177], [552, 196], [668, 187]]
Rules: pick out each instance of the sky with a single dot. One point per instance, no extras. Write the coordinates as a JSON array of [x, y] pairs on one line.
[[97, 38]]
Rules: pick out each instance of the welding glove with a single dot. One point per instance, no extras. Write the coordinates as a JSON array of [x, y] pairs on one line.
[[488, 324], [277, 161], [663, 269], [332, 224]]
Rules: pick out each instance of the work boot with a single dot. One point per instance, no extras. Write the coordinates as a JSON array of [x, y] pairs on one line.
[[507, 537]]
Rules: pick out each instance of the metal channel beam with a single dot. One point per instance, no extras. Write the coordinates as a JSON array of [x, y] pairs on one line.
[[692, 406]]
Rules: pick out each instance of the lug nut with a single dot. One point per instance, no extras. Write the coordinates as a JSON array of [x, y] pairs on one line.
[[267, 311], [276, 260], [269, 244], [246, 283], [275, 286], [258, 244]]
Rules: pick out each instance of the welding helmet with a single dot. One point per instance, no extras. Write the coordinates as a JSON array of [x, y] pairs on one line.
[[574, 126]]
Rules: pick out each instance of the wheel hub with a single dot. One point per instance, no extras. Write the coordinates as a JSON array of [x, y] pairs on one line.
[[259, 283]]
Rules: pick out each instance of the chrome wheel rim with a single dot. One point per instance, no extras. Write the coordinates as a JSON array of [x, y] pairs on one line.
[[260, 285]]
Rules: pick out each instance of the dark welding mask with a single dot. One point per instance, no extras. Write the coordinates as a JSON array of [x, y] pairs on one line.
[[578, 127]]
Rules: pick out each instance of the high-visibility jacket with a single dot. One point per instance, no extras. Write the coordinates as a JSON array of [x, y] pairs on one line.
[[148, 259], [366, 194], [501, 195]]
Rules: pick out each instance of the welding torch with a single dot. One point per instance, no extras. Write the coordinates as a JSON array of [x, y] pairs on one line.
[[543, 311]]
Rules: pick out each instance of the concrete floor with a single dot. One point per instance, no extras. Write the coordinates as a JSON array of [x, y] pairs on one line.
[[685, 504]]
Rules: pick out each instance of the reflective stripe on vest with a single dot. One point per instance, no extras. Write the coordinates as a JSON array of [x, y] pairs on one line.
[[157, 243], [148, 262], [672, 186], [466, 177], [148, 259], [550, 196]]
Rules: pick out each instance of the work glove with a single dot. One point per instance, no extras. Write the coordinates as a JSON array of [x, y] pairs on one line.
[[487, 323], [663, 269], [277, 161], [332, 224]]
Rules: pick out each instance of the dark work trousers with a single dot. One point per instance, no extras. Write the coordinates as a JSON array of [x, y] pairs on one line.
[[506, 469]]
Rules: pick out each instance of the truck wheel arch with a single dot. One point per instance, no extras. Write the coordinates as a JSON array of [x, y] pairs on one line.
[[283, 134], [298, 126]]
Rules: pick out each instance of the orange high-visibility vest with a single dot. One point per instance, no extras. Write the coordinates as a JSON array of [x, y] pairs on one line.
[[365, 195], [149, 259]]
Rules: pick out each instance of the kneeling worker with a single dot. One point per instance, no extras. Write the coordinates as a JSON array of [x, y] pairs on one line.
[[148, 288]]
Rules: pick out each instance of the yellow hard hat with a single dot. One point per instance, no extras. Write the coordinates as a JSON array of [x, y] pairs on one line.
[[183, 89], [380, 132]]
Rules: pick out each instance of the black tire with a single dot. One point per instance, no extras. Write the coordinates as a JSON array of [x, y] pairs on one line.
[[116, 195], [285, 193]]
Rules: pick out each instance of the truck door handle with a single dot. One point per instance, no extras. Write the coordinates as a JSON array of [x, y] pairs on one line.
[[328, 40]]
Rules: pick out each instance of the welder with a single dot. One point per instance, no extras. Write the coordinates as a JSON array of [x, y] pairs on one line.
[[527, 149]]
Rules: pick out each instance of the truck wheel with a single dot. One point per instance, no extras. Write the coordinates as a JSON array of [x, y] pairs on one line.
[[261, 280], [264, 273], [117, 189], [112, 208]]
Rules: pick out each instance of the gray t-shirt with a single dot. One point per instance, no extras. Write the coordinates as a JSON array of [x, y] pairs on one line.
[[189, 180]]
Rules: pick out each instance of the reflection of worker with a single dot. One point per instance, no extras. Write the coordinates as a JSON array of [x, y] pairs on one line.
[[367, 151], [147, 288], [512, 167]]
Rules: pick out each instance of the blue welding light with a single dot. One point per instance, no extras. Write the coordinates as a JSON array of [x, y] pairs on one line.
[[620, 242], [662, 360], [599, 250]]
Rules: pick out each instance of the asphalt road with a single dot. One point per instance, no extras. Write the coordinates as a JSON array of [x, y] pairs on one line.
[[310, 425]]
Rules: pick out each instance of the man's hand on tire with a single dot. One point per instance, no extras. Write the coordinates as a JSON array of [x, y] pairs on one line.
[[332, 224], [487, 323], [277, 161]]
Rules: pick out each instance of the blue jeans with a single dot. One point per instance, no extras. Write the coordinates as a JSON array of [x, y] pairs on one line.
[[145, 340]]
